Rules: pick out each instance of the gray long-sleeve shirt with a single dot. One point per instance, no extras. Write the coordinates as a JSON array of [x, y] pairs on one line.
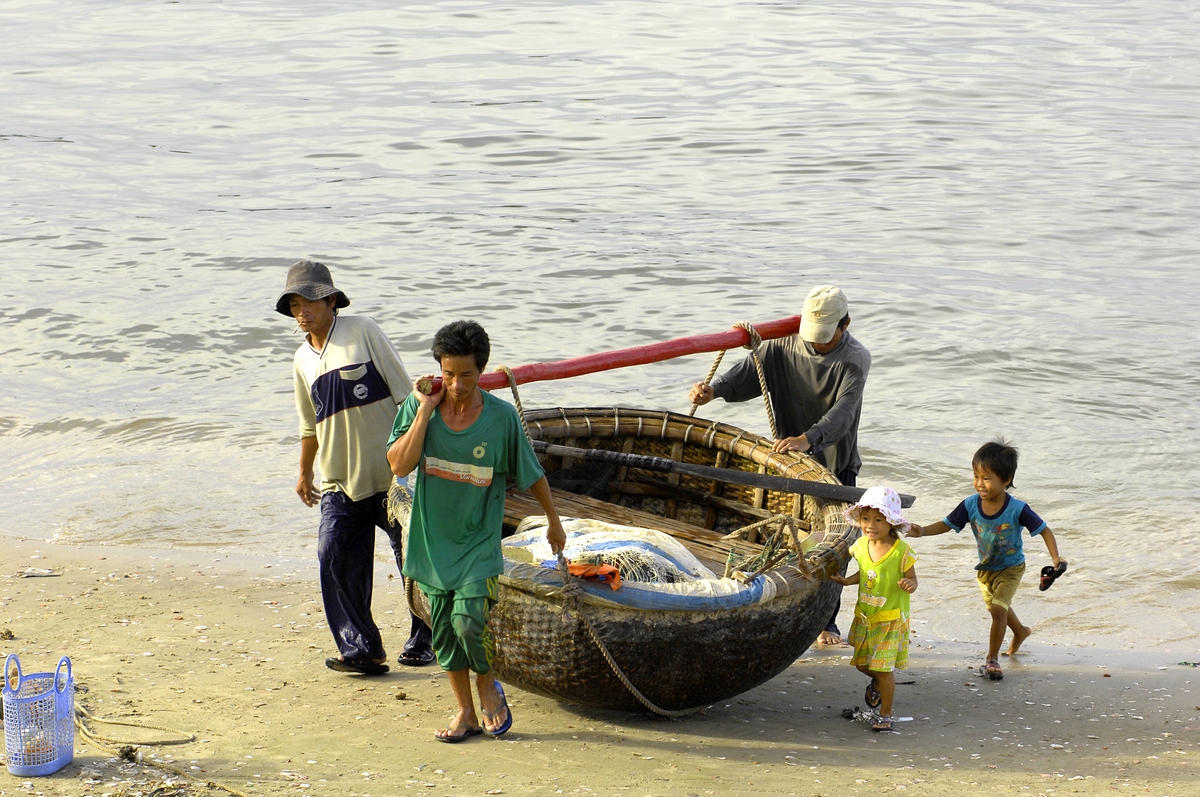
[[816, 395]]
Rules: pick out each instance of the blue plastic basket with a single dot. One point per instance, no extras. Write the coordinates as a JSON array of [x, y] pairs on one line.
[[39, 718]]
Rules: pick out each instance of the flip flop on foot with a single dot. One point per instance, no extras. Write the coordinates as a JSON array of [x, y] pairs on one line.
[[490, 716], [416, 657], [360, 666], [1050, 573], [872, 695], [449, 736], [992, 671], [882, 724], [830, 639]]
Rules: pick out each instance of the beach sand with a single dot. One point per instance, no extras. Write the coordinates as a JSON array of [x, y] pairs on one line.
[[231, 649]]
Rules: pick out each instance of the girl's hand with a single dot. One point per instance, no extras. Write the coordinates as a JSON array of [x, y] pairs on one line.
[[909, 585], [914, 530], [836, 579]]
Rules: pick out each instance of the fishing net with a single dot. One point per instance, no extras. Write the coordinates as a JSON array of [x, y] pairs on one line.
[[634, 564]]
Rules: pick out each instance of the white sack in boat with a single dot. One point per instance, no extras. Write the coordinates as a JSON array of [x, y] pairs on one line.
[[687, 584]]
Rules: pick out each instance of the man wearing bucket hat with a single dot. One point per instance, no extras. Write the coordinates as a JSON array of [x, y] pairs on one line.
[[348, 382], [815, 380]]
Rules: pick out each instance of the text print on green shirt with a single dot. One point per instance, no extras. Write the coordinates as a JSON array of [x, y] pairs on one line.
[[458, 471]]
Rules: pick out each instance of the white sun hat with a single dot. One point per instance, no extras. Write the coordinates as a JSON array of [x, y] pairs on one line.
[[886, 500]]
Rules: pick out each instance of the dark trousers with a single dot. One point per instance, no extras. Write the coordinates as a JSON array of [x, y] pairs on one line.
[[850, 479], [346, 555]]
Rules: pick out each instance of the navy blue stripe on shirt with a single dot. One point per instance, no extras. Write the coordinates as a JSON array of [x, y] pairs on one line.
[[351, 386]]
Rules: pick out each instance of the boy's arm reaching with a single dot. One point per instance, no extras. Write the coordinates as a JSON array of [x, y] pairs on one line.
[[1051, 545], [909, 582], [917, 530]]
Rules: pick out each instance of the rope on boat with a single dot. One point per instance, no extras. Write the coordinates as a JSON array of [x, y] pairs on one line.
[[573, 603], [753, 344], [512, 384], [709, 378]]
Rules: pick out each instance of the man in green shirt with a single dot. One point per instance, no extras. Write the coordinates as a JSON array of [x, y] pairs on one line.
[[464, 443]]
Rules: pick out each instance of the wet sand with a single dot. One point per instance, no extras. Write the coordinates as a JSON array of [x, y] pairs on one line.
[[232, 649]]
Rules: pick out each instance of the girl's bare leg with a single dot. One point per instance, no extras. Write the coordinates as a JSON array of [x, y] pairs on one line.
[[885, 682]]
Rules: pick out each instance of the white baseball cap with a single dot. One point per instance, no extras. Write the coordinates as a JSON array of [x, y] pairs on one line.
[[825, 306]]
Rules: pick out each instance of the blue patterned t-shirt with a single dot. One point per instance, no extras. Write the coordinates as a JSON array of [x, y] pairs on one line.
[[998, 537]]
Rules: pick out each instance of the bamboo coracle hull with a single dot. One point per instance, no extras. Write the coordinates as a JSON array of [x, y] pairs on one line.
[[676, 659]]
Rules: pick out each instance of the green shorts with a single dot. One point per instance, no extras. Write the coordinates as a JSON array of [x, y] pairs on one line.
[[1000, 586], [459, 621]]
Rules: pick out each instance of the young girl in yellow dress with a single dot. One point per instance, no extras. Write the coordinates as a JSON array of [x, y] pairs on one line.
[[886, 577]]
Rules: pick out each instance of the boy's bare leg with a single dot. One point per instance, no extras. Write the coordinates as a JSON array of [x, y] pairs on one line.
[[1020, 632], [999, 626], [460, 682], [885, 682]]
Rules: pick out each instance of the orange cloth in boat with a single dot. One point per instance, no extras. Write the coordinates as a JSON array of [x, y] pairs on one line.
[[599, 572]]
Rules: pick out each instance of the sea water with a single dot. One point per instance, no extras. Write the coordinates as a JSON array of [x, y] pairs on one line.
[[1009, 194]]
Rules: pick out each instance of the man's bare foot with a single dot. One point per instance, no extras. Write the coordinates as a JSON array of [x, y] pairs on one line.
[[460, 728], [1018, 638], [829, 638], [498, 719]]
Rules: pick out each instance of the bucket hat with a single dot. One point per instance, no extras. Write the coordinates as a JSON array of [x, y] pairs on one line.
[[311, 280], [824, 308], [886, 500]]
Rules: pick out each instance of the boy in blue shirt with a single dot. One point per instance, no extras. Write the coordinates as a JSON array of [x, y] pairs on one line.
[[996, 519]]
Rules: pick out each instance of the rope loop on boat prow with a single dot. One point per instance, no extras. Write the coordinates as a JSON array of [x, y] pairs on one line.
[[752, 344], [573, 605]]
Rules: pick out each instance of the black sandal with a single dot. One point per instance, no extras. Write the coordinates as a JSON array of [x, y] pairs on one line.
[[1050, 573], [360, 666], [416, 657], [872, 695]]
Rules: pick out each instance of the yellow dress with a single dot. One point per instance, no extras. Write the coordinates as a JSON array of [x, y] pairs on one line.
[[879, 633]]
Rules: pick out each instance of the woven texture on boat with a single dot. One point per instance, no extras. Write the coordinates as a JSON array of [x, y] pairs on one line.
[[678, 660]]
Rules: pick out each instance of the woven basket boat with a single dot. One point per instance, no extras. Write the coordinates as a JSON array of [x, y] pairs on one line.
[[670, 660]]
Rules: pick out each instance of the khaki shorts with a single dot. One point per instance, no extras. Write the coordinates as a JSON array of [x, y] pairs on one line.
[[999, 586]]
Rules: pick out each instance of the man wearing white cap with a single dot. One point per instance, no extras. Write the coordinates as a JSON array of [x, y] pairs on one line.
[[816, 381]]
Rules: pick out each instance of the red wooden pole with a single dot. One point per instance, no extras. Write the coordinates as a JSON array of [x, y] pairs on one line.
[[637, 355]]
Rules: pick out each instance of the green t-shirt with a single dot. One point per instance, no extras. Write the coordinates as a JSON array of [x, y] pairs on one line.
[[458, 500]]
